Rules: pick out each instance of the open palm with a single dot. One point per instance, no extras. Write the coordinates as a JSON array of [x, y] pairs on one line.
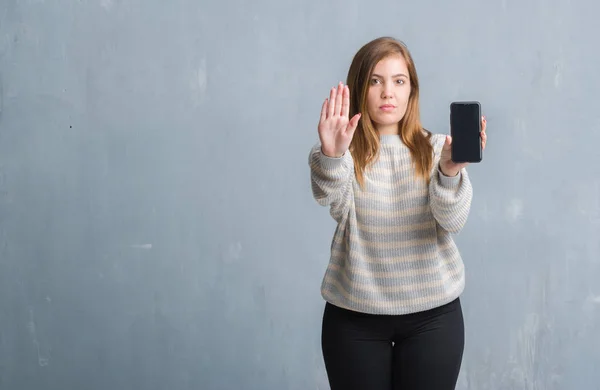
[[335, 128]]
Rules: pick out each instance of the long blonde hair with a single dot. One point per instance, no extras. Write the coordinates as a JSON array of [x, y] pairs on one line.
[[365, 143]]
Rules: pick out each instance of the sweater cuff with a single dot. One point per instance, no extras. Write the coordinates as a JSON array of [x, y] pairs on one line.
[[449, 181], [330, 163]]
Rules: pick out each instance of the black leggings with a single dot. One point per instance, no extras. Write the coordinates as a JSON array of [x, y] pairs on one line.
[[406, 352]]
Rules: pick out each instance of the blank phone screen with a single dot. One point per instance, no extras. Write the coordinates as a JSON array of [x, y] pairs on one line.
[[465, 128]]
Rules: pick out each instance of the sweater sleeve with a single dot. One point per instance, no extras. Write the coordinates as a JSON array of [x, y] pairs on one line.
[[331, 181], [449, 197]]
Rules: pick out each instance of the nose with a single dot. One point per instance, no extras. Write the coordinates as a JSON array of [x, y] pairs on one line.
[[386, 91]]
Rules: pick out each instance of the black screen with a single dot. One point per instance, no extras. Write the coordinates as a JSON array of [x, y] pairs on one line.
[[465, 125]]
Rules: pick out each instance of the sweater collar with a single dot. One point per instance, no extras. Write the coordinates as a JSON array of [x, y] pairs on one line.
[[390, 139]]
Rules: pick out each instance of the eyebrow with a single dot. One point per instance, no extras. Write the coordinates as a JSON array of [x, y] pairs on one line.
[[396, 75]]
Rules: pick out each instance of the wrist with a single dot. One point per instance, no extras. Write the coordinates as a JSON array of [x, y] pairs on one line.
[[448, 172], [331, 153]]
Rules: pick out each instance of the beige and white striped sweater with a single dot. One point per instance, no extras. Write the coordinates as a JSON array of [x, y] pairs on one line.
[[392, 251]]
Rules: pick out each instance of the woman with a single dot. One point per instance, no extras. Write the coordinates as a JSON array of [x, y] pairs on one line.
[[392, 317]]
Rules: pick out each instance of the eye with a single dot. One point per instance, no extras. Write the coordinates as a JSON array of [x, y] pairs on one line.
[[400, 81], [374, 81]]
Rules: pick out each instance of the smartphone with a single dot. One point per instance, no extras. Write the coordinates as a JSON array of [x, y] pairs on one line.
[[465, 129]]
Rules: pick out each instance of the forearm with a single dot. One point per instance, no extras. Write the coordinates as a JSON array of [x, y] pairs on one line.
[[450, 199], [330, 176]]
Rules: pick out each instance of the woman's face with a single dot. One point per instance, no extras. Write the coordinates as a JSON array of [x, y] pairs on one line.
[[387, 97]]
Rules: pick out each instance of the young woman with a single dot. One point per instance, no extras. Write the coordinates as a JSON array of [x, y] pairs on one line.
[[392, 316]]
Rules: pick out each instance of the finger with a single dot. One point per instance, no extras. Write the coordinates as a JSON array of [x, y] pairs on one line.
[[346, 102], [323, 111], [331, 107], [338, 99]]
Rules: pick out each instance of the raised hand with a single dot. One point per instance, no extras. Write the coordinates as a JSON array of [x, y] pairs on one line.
[[449, 167], [335, 129]]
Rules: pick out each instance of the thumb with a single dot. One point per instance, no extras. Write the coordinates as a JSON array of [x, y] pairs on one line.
[[448, 142], [353, 124]]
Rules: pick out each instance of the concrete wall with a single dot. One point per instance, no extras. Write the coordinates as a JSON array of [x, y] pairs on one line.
[[157, 229]]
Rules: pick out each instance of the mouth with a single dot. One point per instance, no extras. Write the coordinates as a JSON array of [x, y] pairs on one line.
[[387, 107]]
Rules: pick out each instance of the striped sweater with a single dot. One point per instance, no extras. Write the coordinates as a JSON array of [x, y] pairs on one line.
[[392, 251]]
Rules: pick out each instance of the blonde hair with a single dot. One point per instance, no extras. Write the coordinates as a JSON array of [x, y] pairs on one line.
[[365, 143]]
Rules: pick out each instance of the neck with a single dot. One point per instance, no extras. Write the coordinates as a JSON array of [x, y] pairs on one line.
[[389, 130], [390, 139]]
